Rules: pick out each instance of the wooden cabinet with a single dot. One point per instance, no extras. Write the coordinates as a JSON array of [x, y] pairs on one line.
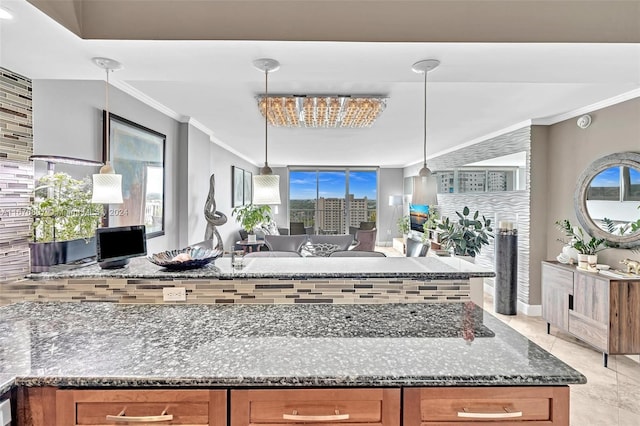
[[493, 405], [120, 406], [601, 311], [355, 407]]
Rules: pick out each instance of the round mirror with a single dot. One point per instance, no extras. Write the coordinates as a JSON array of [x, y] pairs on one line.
[[607, 199]]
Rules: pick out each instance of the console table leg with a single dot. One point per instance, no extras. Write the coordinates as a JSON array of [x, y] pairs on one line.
[[605, 359]]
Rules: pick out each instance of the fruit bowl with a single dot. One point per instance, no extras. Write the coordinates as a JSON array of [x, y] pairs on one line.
[[196, 257]]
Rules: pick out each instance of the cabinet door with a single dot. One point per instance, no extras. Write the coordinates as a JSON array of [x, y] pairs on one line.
[[557, 286], [589, 319], [174, 407], [355, 407]]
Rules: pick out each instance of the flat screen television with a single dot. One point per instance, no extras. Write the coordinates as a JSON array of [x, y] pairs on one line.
[[115, 246], [418, 215]]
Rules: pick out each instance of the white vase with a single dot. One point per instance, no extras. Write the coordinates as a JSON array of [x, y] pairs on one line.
[[587, 262], [251, 238], [571, 253]]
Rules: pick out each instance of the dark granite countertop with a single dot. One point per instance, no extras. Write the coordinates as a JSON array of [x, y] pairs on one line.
[[291, 268], [116, 345]]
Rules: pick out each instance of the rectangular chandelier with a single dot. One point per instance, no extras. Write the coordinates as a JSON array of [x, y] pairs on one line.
[[322, 111]]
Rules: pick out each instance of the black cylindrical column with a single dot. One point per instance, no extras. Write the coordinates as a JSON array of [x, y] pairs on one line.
[[506, 285]]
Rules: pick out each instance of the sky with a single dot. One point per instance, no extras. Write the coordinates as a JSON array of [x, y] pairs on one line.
[[611, 177], [331, 184]]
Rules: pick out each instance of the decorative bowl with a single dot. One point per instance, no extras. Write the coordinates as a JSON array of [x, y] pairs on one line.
[[199, 257], [602, 267]]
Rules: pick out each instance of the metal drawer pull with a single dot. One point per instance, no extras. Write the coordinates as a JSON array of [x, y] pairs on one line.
[[500, 415], [121, 417], [328, 418]]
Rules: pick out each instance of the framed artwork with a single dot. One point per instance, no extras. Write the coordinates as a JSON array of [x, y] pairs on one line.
[[137, 153], [237, 190], [248, 179]]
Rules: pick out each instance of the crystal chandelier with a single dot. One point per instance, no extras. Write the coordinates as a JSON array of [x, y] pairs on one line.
[[321, 111]]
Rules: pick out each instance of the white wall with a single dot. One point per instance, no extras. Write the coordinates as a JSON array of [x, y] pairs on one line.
[[67, 120], [390, 182]]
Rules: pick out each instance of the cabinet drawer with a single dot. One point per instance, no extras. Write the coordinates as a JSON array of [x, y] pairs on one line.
[[166, 407], [504, 406], [316, 406], [591, 331]]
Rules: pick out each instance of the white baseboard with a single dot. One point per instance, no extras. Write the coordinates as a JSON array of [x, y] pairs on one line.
[[524, 308]]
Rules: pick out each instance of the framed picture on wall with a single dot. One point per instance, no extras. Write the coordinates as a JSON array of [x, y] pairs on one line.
[[248, 180], [137, 153], [237, 189]]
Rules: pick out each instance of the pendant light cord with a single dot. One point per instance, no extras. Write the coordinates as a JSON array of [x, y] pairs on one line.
[[266, 115], [425, 119], [107, 130]]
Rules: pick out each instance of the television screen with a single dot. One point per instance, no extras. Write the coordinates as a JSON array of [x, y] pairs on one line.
[[418, 215], [120, 242]]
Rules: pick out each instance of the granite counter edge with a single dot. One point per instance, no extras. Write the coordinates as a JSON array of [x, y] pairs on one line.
[[284, 381], [291, 276]]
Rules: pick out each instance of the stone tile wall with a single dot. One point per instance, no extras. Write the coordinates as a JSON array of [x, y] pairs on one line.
[[339, 291], [16, 173]]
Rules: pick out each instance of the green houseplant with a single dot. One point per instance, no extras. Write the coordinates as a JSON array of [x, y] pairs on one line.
[[64, 221], [404, 225], [578, 239], [250, 216], [468, 235]]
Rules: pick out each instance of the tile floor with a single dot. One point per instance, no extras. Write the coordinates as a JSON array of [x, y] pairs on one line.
[[611, 396]]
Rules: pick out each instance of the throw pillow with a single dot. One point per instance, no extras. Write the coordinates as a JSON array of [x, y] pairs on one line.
[[320, 249], [270, 228]]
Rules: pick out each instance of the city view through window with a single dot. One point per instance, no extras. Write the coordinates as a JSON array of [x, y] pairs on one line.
[[329, 201]]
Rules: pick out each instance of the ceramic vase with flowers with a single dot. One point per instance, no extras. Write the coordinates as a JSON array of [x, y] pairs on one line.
[[586, 246]]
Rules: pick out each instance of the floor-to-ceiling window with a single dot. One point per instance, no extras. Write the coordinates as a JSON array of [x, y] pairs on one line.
[[329, 200]]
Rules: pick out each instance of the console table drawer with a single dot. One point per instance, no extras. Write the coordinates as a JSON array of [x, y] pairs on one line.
[[316, 406], [504, 405]]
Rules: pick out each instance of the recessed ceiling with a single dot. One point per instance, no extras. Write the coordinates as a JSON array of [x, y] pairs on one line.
[[479, 88]]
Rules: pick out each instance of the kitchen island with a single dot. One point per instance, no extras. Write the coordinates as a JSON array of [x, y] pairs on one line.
[[265, 280], [57, 346]]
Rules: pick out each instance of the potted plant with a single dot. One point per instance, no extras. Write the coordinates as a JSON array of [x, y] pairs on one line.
[[64, 221], [468, 235], [586, 246], [250, 216]]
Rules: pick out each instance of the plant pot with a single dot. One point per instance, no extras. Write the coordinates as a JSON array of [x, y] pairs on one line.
[[44, 255], [251, 238], [588, 262]]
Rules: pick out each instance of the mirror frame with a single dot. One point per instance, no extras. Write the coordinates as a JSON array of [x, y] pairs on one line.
[[629, 159]]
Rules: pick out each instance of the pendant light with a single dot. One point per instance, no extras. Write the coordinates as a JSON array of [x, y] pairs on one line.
[[266, 186], [107, 185], [424, 67]]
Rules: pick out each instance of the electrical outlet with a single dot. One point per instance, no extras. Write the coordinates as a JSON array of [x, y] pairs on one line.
[[174, 294]]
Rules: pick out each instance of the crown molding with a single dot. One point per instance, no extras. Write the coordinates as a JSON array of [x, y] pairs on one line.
[[474, 141], [198, 125], [553, 119], [147, 100]]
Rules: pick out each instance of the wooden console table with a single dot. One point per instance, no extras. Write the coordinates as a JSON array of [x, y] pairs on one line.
[[599, 310]]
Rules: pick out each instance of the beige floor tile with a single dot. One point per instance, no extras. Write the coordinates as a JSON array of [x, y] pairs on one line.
[[585, 411], [611, 396], [629, 394], [627, 418]]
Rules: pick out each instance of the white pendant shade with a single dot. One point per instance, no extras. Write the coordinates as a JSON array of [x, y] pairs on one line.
[[266, 189], [107, 189]]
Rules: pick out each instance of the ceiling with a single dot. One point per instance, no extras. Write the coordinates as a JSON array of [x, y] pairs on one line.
[[478, 90]]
